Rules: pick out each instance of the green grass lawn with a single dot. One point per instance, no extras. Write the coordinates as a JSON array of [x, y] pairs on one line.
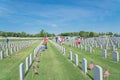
[[54, 66], [9, 67], [97, 58]]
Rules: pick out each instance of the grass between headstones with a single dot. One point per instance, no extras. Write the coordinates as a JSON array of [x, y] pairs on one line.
[[96, 58], [54, 66], [9, 67]]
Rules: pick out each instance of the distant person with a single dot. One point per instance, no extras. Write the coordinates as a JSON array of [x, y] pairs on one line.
[[42, 48], [56, 39], [7, 40], [34, 69], [106, 73], [91, 65], [45, 42], [77, 42]]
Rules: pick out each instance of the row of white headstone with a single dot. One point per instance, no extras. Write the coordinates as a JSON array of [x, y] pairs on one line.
[[4, 45], [115, 55], [97, 42], [28, 61], [80, 46], [98, 74], [97, 69], [13, 50]]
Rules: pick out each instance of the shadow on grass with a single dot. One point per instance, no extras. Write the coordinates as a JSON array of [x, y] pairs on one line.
[[39, 54], [90, 76], [73, 62], [87, 73], [79, 67], [29, 68]]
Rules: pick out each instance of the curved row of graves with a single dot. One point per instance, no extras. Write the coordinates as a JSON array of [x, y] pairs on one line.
[[23, 69], [6, 50]]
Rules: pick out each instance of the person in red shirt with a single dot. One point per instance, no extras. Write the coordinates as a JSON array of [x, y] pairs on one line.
[[77, 43], [45, 42]]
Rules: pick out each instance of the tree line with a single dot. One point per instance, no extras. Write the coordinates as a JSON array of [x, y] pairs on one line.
[[42, 33], [89, 34]]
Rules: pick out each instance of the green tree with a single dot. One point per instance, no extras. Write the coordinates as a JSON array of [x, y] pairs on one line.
[[91, 34], [42, 33], [116, 35]]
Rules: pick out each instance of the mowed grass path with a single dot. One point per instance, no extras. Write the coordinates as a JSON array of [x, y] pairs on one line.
[[9, 67], [54, 66]]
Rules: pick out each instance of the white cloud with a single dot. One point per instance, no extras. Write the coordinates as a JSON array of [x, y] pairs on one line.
[[54, 25]]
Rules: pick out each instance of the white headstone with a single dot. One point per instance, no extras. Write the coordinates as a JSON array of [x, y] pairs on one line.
[[76, 59], [85, 48], [64, 51], [11, 50], [70, 55], [31, 59], [81, 47], [7, 52], [106, 47], [21, 69], [90, 49], [27, 64], [101, 46], [115, 56], [34, 53], [14, 49], [98, 74], [2, 54], [104, 53], [96, 44], [17, 48], [84, 65], [113, 47], [73, 45], [118, 45], [78, 46]]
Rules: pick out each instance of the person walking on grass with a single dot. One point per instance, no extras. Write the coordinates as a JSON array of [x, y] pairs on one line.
[[45, 42]]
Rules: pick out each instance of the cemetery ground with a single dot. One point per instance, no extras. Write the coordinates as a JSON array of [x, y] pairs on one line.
[[97, 59], [54, 66], [9, 66]]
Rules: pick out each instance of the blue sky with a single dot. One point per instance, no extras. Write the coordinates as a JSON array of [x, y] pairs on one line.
[[56, 16]]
